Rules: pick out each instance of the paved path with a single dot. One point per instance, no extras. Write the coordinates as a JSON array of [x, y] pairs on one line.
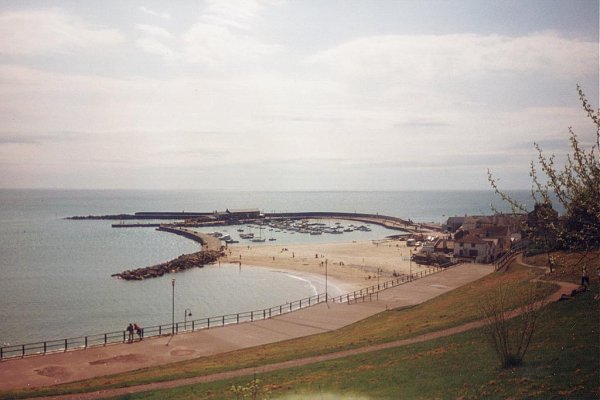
[[58, 368]]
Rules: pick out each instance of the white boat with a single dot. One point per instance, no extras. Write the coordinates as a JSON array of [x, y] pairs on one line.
[[259, 238]]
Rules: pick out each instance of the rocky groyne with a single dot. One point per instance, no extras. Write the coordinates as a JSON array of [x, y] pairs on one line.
[[181, 263]]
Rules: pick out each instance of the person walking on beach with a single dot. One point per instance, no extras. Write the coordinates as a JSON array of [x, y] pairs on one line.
[[130, 333]]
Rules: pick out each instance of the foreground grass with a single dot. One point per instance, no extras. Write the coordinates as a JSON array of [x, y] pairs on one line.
[[451, 309], [562, 363]]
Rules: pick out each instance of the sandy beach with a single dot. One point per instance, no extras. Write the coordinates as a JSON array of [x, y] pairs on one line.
[[350, 265]]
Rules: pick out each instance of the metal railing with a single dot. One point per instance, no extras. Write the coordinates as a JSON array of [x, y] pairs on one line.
[[507, 258], [108, 338]]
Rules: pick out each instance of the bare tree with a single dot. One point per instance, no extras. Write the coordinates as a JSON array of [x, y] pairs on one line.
[[575, 186], [510, 332]]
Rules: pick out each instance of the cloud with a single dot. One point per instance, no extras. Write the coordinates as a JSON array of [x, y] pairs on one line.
[[148, 11], [440, 57], [50, 31], [215, 46], [31, 138], [17, 139], [234, 13], [158, 41], [422, 123], [220, 40], [155, 46], [153, 30]]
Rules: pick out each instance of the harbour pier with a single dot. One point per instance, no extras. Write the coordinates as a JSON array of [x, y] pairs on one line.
[[210, 253]]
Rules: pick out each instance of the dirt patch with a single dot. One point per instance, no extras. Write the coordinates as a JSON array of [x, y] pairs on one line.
[[432, 352], [128, 358], [365, 367], [182, 352], [54, 371]]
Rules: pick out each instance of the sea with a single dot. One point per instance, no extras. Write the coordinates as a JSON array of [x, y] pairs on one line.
[[55, 273]]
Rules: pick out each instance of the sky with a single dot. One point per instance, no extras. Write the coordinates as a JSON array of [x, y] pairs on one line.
[[290, 95]]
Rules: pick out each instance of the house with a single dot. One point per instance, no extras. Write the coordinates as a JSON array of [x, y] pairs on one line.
[[239, 214], [453, 224], [427, 248], [444, 246], [499, 231], [477, 221], [475, 249], [236, 215]]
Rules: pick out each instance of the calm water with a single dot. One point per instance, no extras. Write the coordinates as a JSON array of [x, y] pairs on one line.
[[55, 273]]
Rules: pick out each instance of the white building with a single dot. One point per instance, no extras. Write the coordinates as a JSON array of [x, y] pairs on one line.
[[471, 247]]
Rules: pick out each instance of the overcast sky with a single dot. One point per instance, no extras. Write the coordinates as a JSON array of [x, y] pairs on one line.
[[290, 95]]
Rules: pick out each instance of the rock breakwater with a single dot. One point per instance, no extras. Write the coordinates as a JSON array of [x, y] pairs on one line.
[[181, 263]]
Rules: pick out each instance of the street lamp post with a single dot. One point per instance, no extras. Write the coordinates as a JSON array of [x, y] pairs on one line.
[[378, 274], [410, 264], [186, 313], [326, 296], [173, 308]]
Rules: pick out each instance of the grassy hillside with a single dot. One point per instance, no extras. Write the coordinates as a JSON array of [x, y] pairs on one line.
[[561, 363]]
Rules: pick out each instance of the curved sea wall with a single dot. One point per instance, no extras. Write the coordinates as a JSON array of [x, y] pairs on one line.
[[209, 254], [207, 241]]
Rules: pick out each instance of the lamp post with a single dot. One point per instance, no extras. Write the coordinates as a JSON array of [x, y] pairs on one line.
[[326, 296], [186, 313], [410, 263], [173, 308], [378, 274]]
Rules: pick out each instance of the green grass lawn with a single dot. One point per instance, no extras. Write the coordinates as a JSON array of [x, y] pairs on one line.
[[450, 309]]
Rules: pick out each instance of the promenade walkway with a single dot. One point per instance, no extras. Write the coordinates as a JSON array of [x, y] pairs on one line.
[[58, 368]]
